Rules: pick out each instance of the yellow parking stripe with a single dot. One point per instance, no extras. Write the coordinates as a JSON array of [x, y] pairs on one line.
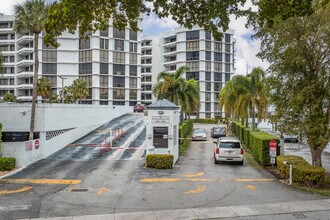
[[172, 180], [26, 188], [194, 175], [41, 181], [199, 189], [253, 180]]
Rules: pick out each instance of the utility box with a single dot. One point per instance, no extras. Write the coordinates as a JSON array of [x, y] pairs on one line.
[[163, 128]]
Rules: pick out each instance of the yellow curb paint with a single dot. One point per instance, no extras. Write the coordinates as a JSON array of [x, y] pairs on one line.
[[199, 189], [171, 180], [253, 180], [26, 188], [194, 175], [41, 181], [251, 188], [101, 190]]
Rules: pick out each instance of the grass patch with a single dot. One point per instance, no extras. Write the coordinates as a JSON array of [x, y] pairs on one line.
[[324, 191]]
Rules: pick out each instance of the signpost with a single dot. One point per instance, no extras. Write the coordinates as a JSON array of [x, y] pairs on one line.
[[272, 151], [36, 144]]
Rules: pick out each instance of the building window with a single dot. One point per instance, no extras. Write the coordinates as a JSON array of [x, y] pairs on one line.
[[217, 86], [84, 44], [132, 83], [227, 67], [118, 57], [208, 86], [217, 56], [192, 35], [208, 66], [207, 55], [118, 81], [104, 56], [193, 66], [49, 68], [104, 68], [104, 44], [88, 80], [119, 45], [85, 68], [207, 115], [216, 105], [227, 38], [85, 56], [132, 70], [52, 80], [218, 67], [118, 103], [118, 93], [132, 35], [208, 76], [208, 96], [216, 97], [192, 55], [118, 69], [207, 35], [132, 58], [227, 48], [118, 33], [104, 33], [132, 94], [104, 81], [133, 47], [49, 56], [227, 58], [132, 103], [227, 77], [104, 103], [192, 75], [192, 45], [218, 77], [208, 106], [217, 46]]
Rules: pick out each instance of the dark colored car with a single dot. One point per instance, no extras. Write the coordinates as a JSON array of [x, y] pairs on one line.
[[217, 132], [139, 108]]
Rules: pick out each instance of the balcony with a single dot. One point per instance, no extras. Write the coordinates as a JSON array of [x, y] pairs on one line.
[[24, 98], [25, 63], [7, 41], [25, 51], [8, 52], [25, 39], [25, 86], [12, 87], [25, 74]]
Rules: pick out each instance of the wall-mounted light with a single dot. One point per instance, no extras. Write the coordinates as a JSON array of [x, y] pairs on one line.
[[160, 112]]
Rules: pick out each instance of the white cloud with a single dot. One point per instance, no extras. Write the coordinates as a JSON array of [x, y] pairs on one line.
[[7, 6]]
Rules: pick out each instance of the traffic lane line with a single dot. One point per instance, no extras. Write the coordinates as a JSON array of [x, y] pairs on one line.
[[5, 192], [41, 181], [171, 180]]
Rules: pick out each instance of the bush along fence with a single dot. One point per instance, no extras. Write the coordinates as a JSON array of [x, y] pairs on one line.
[[159, 161], [257, 141], [302, 171], [6, 163], [205, 120], [185, 131]]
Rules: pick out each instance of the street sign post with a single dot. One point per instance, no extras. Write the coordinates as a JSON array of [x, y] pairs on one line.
[[36, 144], [272, 151]]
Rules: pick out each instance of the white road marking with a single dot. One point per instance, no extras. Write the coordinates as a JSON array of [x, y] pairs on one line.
[[14, 207]]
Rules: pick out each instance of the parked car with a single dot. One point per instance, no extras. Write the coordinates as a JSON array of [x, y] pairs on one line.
[[228, 149], [218, 131], [139, 108], [291, 138], [199, 134]]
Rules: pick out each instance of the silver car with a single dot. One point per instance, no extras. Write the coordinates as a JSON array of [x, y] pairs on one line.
[[199, 134], [228, 149]]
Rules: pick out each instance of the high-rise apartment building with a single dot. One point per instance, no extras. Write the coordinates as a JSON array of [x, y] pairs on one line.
[[109, 61]]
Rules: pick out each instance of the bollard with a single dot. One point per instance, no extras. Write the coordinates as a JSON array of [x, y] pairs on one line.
[[122, 132], [114, 139], [290, 177], [119, 134], [100, 150]]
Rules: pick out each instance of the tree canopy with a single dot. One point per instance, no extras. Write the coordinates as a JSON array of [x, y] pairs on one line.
[[90, 15]]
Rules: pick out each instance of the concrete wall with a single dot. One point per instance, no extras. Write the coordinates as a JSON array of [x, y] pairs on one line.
[[80, 119]]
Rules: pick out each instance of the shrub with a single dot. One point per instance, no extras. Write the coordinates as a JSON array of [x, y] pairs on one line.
[[183, 147], [159, 161], [308, 174], [205, 120], [7, 163], [0, 134], [185, 130], [284, 168]]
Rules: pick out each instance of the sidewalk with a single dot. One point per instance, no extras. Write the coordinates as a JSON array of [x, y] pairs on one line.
[[316, 209]]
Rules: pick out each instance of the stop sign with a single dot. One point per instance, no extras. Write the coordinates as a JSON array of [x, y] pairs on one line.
[[272, 144], [36, 144]]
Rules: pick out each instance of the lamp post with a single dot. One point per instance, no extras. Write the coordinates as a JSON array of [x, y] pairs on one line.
[[63, 78]]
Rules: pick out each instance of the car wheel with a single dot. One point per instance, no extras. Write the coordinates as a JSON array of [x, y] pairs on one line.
[[241, 163], [215, 161]]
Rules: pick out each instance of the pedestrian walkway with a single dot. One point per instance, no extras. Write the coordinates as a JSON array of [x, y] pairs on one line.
[[311, 209]]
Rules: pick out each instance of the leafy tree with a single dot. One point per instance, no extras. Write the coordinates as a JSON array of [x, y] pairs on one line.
[[79, 90], [54, 99], [9, 97], [299, 53], [44, 88], [90, 15], [179, 91], [30, 16], [66, 94]]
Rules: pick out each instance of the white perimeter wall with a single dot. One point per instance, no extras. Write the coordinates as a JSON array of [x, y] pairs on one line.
[[81, 119]]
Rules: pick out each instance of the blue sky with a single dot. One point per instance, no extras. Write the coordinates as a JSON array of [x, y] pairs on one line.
[[246, 48]]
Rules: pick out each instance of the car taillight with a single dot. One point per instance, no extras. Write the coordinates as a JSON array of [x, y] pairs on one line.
[[242, 151], [217, 151]]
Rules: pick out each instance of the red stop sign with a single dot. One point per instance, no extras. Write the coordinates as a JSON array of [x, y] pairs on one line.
[[272, 144], [36, 144]]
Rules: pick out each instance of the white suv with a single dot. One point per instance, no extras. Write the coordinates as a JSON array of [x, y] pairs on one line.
[[228, 149]]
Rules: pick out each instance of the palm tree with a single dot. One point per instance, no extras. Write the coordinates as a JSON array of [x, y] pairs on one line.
[[9, 97], [179, 91], [44, 88], [79, 89], [31, 17]]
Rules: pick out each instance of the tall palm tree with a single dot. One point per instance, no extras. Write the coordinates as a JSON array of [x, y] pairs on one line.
[[31, 17], [176, 89], [79, 89], [43, 88]]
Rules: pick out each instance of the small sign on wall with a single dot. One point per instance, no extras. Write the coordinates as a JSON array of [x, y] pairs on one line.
[[28, 145]]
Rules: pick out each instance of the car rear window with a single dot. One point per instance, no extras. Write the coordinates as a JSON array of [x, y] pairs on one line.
[[230, 145], [219, 129], [198, 131]]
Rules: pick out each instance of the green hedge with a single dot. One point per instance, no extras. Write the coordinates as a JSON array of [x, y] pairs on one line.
[[302, 171], [184, 146], [159, 161], [7, 163], [185, 130], [205, 121], [257, 141], [0, 134]]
